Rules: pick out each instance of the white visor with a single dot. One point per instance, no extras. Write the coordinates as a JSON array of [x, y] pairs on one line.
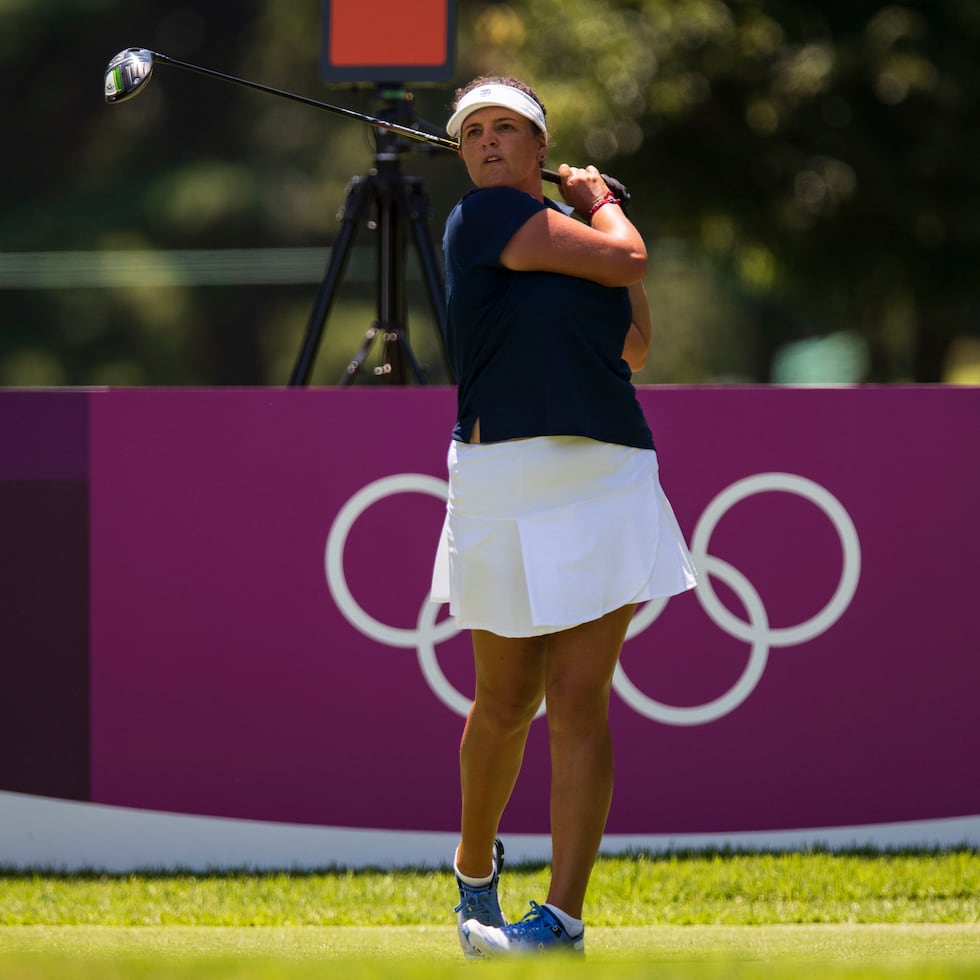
[[505, 96]]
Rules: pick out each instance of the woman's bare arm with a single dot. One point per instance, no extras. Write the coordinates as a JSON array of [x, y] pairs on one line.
[[638, 339], [609, 251]]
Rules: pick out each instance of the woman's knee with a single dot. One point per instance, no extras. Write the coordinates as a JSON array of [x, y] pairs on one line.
[[506, 712], [576, 706], [510, 681]]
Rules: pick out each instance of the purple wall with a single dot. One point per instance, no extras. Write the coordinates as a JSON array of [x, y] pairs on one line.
[[261, 647], [44, 594]]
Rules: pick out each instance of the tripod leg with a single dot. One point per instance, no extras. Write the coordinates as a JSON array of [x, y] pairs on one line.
[[393, 336], [391, 274], [357, 361], [398, 336], [353, 212], [418, 213]]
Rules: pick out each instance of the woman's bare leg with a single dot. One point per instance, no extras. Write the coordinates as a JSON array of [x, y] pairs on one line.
[[580, 666], [510, 680]]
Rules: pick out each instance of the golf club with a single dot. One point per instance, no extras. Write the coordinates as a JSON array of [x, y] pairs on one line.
[[128, 72]]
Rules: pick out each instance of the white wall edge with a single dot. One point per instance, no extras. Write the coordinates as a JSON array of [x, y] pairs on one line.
[[59, 835]]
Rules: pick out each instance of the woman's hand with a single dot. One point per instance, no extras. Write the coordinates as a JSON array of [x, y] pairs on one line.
[[581, 187]]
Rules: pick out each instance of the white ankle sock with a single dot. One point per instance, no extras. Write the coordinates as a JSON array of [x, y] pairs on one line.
[[574, 927], [474, 882]]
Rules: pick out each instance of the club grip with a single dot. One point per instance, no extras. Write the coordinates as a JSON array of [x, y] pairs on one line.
[[616, 186]]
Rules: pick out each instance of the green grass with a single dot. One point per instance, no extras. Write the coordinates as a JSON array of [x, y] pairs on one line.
[[716, 888], [697, 916]]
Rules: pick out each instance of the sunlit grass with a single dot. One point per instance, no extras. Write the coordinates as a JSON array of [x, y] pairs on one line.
[[698, 916], [674, 889]]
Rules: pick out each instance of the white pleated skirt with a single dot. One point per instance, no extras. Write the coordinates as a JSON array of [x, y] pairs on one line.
[[544, 534]]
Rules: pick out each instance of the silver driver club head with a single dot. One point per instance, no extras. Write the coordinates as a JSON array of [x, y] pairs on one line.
[[127, 73]]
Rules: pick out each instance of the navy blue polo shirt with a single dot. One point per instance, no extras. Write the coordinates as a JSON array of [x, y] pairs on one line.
[[535, 353]]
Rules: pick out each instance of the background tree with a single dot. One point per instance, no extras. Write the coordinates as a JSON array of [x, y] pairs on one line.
[[808, 173], [824, 154]]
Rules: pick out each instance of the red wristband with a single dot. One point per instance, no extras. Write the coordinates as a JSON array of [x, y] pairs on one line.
[[608, 198]]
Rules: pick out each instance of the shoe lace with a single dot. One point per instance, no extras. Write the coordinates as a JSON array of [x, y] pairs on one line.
[[476, 902], [533, 922]]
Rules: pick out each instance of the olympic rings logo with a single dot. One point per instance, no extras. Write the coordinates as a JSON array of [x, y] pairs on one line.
[[755, 631]]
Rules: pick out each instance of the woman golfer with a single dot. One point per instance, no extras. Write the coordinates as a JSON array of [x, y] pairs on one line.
[[556, 524]]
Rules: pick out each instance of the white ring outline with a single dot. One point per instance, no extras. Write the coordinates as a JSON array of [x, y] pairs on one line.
[[756, 631], [719, 614], [334, 558], [429, 663], [846, 532], [700, 714]]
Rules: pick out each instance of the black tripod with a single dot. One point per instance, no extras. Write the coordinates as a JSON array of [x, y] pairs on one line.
[[398, 202]]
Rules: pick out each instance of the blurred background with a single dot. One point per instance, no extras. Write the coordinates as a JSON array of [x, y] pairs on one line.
[[807, 175]]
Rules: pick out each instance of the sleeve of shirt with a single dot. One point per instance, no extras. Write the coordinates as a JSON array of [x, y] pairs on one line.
[[486, 220]]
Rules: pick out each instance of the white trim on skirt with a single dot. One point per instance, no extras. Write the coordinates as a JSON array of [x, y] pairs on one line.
[[544, 534]]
